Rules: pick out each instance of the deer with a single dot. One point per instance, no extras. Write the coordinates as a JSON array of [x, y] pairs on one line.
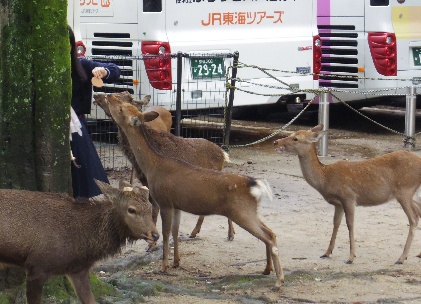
[[201, 191], [345, 184], [186, 149], [52, 234]]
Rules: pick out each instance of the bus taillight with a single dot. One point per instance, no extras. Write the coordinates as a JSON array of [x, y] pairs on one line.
[[383, 51], [317, 56], [157, 59], [80, 49]]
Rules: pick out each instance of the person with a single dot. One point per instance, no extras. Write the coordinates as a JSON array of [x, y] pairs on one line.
[[86, 165]]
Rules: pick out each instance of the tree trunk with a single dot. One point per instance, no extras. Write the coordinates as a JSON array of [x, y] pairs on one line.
[[35, 95]]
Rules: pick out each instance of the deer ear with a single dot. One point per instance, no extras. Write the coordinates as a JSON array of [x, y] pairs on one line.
[[316, 136], [149, 116], [107, 190], [317, 128]]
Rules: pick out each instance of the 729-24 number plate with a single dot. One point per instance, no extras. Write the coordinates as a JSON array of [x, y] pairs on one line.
[[207, 68]]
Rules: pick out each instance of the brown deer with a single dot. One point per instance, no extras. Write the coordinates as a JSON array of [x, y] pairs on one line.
[[372, 182], [52, 234], [177, 185], [186, 149]]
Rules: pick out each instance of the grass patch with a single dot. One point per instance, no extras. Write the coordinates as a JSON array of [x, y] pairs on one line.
[[299, 276]]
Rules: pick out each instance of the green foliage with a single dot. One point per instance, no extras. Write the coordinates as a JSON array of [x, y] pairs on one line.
[[60, 290], [6, 299], [100, 288]]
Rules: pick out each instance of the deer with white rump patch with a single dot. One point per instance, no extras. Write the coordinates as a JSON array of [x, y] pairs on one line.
[[196, 151], [372, 182], [52, 234], [177, 185]]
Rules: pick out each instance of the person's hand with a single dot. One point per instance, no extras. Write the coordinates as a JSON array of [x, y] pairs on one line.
[[99, 72]]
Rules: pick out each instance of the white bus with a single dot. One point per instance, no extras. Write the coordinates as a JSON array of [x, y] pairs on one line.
[[362, 41], [369, 46], [270, 34]]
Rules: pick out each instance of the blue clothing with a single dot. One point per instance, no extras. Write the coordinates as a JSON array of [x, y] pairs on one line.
[[82, 91], [89, 165], [83, 149]]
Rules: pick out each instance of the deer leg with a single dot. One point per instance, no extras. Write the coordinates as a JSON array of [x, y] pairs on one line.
[[155, 211], [231, 231], [337, 218], [196, 229], [349, 209], [413, 218], [251, 223], [269, 267], [34, 285], [166, 218], [82, 286], [175, 228]]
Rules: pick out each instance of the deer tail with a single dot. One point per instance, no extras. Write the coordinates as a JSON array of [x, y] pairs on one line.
[[261, 188]]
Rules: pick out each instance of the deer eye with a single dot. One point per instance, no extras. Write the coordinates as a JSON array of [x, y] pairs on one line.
[[295, 139], [121, 109], [132, 211]]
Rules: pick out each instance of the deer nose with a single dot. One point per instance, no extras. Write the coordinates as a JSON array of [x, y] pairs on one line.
[[155, 236]]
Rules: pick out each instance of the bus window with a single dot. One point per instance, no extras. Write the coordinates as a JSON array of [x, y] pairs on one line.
[[152, 6], [379, 2]]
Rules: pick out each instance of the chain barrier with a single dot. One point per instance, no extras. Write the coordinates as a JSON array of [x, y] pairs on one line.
[[407, 139], [275, 132]]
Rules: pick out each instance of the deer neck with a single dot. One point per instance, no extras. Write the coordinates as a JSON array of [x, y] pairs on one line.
[[145, 155], [312, 168]]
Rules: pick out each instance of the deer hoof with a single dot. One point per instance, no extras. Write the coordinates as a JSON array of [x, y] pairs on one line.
[[325, 256], [192, 236], [276, 288], [348, 262], [175, 264], [230, 238], [267, 271], [398, 262]]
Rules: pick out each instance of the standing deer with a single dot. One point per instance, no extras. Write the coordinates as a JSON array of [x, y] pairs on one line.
[[186, 149], [177, 185], [372, 182], [52, 234]]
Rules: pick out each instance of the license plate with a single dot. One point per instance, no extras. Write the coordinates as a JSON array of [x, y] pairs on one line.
[[207, 68], [416, 52]]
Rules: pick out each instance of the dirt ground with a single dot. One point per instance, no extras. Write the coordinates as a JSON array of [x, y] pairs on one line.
[[214, 270]]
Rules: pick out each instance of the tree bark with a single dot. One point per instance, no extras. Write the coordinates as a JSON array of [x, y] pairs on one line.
[[35, 95]]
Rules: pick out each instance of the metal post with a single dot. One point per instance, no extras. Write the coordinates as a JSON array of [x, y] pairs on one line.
[[324, 119], [228, 112], [177, 127], [410, 118]]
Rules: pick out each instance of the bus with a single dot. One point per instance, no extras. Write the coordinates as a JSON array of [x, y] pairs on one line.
[[356, 48], [264, 33], [369, 48]]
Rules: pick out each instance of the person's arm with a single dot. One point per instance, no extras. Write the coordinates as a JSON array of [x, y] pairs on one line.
[[109, 72]]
